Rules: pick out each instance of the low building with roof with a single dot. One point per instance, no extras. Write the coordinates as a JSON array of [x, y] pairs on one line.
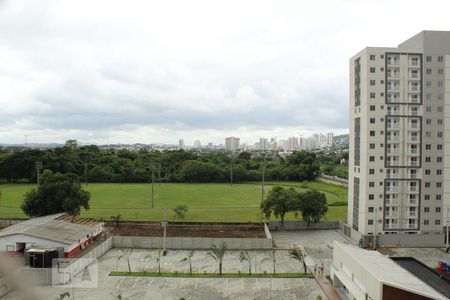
[[364, 274], [58, 230]]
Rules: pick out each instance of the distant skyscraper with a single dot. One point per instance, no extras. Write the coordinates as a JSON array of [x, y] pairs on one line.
[[180, 144], [292, 143], [231, 143], [330, 136], [197, 144], [264, 144]]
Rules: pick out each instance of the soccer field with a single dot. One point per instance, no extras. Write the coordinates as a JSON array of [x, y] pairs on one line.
[[206, 202]]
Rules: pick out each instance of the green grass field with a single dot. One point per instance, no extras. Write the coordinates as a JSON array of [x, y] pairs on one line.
[[206, 202]]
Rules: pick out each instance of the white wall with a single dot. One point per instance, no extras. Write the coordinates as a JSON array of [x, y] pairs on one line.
[[29, 241]]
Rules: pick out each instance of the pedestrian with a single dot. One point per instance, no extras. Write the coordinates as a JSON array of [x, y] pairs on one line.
[[315, 269], [321, 268]]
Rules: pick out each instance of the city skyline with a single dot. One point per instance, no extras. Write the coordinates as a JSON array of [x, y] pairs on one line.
[[148, 73]]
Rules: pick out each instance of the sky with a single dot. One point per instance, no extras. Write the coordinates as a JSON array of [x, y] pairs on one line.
[[157, 71]]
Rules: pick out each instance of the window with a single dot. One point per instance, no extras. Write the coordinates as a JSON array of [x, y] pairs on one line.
[[440, 97], [372, 95], [372, 70], [382, 56], [371, 171], [438, 184], [428, 83], [428, 71], [437, 222], [427, 184], [439, 146], [381, 81], [382, 69], [426, 209], [372, 133], [438, 209], [427, 159], [372, 108], [439, 121], [372, 82], [428, 109], [428, 58], [370, 209], [440, 109], [438, 197], [371, 158], [439, 134], [428, 96], [428, 146], [428, 135], [441, 71], [426, 222], [372, 56], [440, 59], [427, 172], [426, 197], [372, 120], [369, 222], [372, 146], [371, 184], [371, 196], [440, 84], [439, 159]]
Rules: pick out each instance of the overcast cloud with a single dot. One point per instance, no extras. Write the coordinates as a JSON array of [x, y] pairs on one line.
[[155, 71]]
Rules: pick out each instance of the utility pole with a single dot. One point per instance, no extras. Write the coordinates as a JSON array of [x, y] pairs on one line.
[[152, 166], [164, 225], [231, 170], [85, 174], [262, 177], [38, 166]]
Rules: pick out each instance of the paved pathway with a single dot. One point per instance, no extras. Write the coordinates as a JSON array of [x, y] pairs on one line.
[[327, 288]]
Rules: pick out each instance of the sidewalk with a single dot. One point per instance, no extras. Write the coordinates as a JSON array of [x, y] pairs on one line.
[[327, 288]]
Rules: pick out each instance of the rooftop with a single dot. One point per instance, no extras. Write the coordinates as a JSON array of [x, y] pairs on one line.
[[388, 271], [61, 228]]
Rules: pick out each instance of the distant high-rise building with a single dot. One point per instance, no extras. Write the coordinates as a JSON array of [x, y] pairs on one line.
[[292, 143], [197, 144], [264, 144], [330, 136], [180, 144], [231, 143], [399, 163]]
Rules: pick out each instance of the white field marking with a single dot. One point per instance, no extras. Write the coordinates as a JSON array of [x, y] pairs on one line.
[[165, 284], [227, 283], [212, 281], [242, 283], [181, 283], [196, 283], [257, 284], [151, 282], [121, 281]]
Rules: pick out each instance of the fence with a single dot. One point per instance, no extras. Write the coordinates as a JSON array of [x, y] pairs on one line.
[[295, 225]]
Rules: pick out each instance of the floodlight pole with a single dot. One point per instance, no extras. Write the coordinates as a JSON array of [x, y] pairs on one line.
[[38, 172], [153, 182], [263, 177]]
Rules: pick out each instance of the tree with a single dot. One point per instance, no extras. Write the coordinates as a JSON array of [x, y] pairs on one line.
[[279, 201], [312, 205], [126, 254], [57, 193], [218, 253], [298, 255], [116, 219], [245, 256], [188, 257], [180, 211]]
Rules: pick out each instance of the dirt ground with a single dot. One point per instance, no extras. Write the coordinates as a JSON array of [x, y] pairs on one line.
[[211, 230]]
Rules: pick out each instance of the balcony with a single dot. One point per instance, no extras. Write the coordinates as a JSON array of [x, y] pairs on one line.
[[411, 226], [413, 152], [412, 176], [413, 88], [411, 214], [393, 176], [392, 151], [392, 202], [394, 61], [392, 88], [413, 126], [412, 189], [393, 125], [412, 202], [414, 63], [391, 190], [393, 138], [413, 138], [413, 164]]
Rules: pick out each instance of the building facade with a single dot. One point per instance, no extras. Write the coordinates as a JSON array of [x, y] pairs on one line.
[[399, 165], [231, 143]]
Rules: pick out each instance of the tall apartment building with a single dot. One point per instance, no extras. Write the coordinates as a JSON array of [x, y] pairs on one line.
[[181, 144], [330, 137], [399, 167], [264, 145], [231, 143], [292, 143]]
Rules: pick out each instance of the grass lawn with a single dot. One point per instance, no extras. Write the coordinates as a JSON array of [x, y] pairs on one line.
[[206, 202]]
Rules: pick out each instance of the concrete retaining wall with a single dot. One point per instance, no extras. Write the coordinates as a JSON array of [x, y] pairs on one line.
[[295, 225], [189, 243], [8, 222], [411, 240]]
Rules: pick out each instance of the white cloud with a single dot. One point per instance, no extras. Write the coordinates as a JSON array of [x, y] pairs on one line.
[[156, 71]]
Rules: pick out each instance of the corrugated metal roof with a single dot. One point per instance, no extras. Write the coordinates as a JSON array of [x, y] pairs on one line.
[[57, 227]]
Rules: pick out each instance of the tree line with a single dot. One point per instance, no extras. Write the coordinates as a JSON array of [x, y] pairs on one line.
[[121, 166]]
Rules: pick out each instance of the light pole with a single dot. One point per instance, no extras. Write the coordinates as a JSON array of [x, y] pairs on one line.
[[152, 166], [38, 166], [263, 167], [231, 169]]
